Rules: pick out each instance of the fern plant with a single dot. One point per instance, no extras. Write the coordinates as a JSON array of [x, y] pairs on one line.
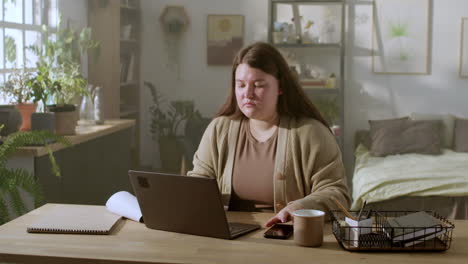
[[14, 179], [165, 123]]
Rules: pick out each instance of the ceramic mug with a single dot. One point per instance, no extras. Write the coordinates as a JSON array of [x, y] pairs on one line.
[[308, 227]]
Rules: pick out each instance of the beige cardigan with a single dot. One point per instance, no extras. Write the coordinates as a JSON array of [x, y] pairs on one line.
[[308, 166]]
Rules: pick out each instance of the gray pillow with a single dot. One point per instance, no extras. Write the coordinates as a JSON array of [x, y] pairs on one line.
[[460, 141], [448, 122], [398, 136]]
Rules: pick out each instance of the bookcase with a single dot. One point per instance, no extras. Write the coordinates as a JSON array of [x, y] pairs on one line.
[[311, 35], [117, 26]]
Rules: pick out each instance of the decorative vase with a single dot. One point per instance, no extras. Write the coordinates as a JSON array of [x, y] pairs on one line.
[[26, 109], [98, 106], [11, 118], [87, 108]]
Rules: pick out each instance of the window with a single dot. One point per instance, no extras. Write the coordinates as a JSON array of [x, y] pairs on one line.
[[21, 26]]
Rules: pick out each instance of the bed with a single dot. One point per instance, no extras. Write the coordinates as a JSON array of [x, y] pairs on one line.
[[411, 181]]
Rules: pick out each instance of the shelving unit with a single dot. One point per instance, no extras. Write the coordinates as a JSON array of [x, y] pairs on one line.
[[311, 34], [117, 26]]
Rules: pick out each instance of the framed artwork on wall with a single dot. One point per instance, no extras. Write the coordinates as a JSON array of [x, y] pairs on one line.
[[464, 48], [401, 37], [225, 37]]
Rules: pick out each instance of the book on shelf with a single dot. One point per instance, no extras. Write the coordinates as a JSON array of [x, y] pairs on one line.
[[126, 32], [313, 83], [411, 227], [123, 70], [127, 67], [131, 66]]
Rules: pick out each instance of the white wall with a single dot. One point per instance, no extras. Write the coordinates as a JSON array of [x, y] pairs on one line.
[[378, 96], [75, 12], [367, 95], [206, 85]]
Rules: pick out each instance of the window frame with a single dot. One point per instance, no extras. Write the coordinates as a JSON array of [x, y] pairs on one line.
[[23, 27], [44, 6]]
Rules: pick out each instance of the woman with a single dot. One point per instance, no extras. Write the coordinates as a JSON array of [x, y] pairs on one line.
[[269, 144]]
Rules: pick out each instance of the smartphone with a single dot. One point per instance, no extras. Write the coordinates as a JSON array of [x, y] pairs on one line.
[[279, 231]]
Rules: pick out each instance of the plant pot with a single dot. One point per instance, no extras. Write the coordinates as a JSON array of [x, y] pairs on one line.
[[43, 121], [66, 118], [26, 110], [65, 123], [171, 150], [61, 108], [10, 117]]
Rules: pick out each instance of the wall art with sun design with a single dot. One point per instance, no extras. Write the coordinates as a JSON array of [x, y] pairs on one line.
[[224, 39]]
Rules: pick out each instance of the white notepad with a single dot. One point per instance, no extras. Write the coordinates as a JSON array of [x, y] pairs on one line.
[[75, 219]]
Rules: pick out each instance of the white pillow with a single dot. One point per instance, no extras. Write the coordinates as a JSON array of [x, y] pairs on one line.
[[449, 125]]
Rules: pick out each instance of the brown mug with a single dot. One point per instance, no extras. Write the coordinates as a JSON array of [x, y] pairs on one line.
[[308, 227]]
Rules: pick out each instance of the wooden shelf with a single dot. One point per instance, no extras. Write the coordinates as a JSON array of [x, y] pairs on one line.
[[322, 90], [118, 67], [128, 41], [85, 131], [331, 61], [308, 45], [310, 2], [129, 8]]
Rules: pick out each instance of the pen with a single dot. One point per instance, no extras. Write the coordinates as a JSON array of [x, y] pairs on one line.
[[343, 209], [360, 211], [368, 213]]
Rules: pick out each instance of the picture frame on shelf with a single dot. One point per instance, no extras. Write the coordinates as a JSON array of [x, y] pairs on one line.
[[225, 37], [464, 48], [400, 37]]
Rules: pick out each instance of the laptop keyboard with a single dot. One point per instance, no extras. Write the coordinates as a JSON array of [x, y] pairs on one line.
[[237, 228]]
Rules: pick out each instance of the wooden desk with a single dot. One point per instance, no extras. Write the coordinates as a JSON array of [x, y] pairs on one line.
[[132, 242]]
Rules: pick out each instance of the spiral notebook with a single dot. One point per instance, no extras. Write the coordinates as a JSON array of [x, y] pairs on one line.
[[75, 219]]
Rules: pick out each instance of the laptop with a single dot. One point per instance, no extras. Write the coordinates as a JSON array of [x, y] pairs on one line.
[[183, 204]]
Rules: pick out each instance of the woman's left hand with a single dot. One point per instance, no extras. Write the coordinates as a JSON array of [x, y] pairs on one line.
[[285, 214]]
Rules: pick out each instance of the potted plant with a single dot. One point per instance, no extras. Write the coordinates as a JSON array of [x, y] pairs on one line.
[[59, 73], [18, 91], [12, 180], [164, 127], [42, 86], [16, 87]]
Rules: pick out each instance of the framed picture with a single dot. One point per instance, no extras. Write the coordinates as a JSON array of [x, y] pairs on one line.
[[224, 39], [401, 37], [464, 48]]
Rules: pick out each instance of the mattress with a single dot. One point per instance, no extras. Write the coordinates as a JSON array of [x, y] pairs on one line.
[[449, 207], [394, 177]]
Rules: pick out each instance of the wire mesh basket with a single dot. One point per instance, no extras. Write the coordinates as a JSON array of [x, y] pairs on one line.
[[373, 234]]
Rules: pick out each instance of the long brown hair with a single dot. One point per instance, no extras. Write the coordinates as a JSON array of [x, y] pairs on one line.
[[292, 102]]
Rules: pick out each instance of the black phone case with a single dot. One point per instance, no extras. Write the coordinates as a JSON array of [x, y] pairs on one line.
[[286, 228]]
